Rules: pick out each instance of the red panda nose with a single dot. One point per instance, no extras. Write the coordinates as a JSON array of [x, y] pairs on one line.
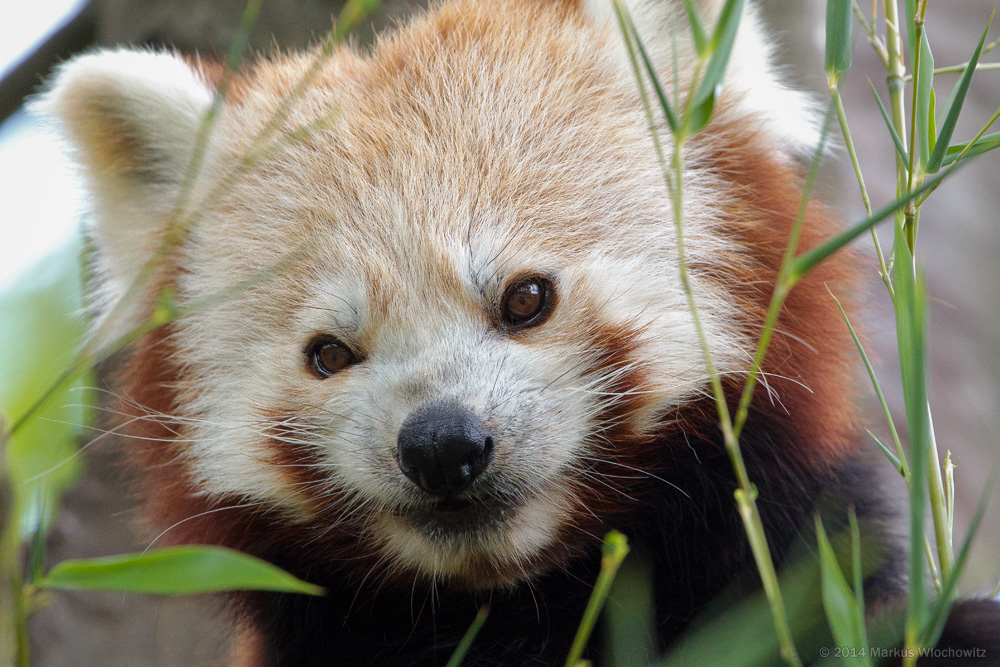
[[443, 448]]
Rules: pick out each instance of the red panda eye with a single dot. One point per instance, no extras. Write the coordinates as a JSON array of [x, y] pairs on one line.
[[328, 355], [528, 302]]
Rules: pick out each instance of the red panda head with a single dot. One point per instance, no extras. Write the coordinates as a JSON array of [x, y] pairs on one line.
[[433, 322]]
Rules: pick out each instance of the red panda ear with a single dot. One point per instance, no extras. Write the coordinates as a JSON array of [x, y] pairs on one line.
[[131, 115], [131, 119]]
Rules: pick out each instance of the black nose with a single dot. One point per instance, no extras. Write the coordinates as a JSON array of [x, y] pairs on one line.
[[442, 448]]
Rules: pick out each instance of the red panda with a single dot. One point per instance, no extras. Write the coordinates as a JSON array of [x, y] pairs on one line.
[[432, 349]]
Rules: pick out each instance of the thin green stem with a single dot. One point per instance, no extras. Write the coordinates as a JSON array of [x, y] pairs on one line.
[[869, 28], [647, 107], [725, 419], [904, 468], [470, 635], [896, 70], [955, 69], [935, 576], [838, 105], [613, 553], [746, 494], [910, 215], [845, 131], [866, 25], [210, 117], [786, 280]]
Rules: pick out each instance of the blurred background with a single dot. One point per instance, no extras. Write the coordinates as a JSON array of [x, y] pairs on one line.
[[40, 204]]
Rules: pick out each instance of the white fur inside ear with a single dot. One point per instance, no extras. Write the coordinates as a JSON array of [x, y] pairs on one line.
[[131, 120], [788, 115]]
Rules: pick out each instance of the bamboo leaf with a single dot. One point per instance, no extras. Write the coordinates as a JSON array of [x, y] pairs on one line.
[[924, 83], [839, 603], [910, 9], [839, 42], [700, 114], [951, 119], [889, 455], [41, 331], [809, 259], [932, 121], [697, 29], [900, 150], [176, 570], [721, 47], [654, 78], [629, 620], [857, 565], [984, 144]]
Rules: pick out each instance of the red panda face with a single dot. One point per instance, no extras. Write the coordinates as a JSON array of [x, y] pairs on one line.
[[452, 319], [448, 383]]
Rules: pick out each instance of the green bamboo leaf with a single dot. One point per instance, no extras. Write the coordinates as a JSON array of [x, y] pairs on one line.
[[839, 42], [700, 114], [721, 47], [665, 106], [176, 570], [809, 259], [635, 51], [951, 119], [984, 144], [900, 150], [910, 13], [924, 82], [697, 29], [840, 604], [910, 328], [896, 463]]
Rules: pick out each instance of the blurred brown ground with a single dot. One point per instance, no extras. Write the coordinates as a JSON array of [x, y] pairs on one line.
[[959, 245]]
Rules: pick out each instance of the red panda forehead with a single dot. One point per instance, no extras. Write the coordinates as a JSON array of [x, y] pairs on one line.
[[463, 98]]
